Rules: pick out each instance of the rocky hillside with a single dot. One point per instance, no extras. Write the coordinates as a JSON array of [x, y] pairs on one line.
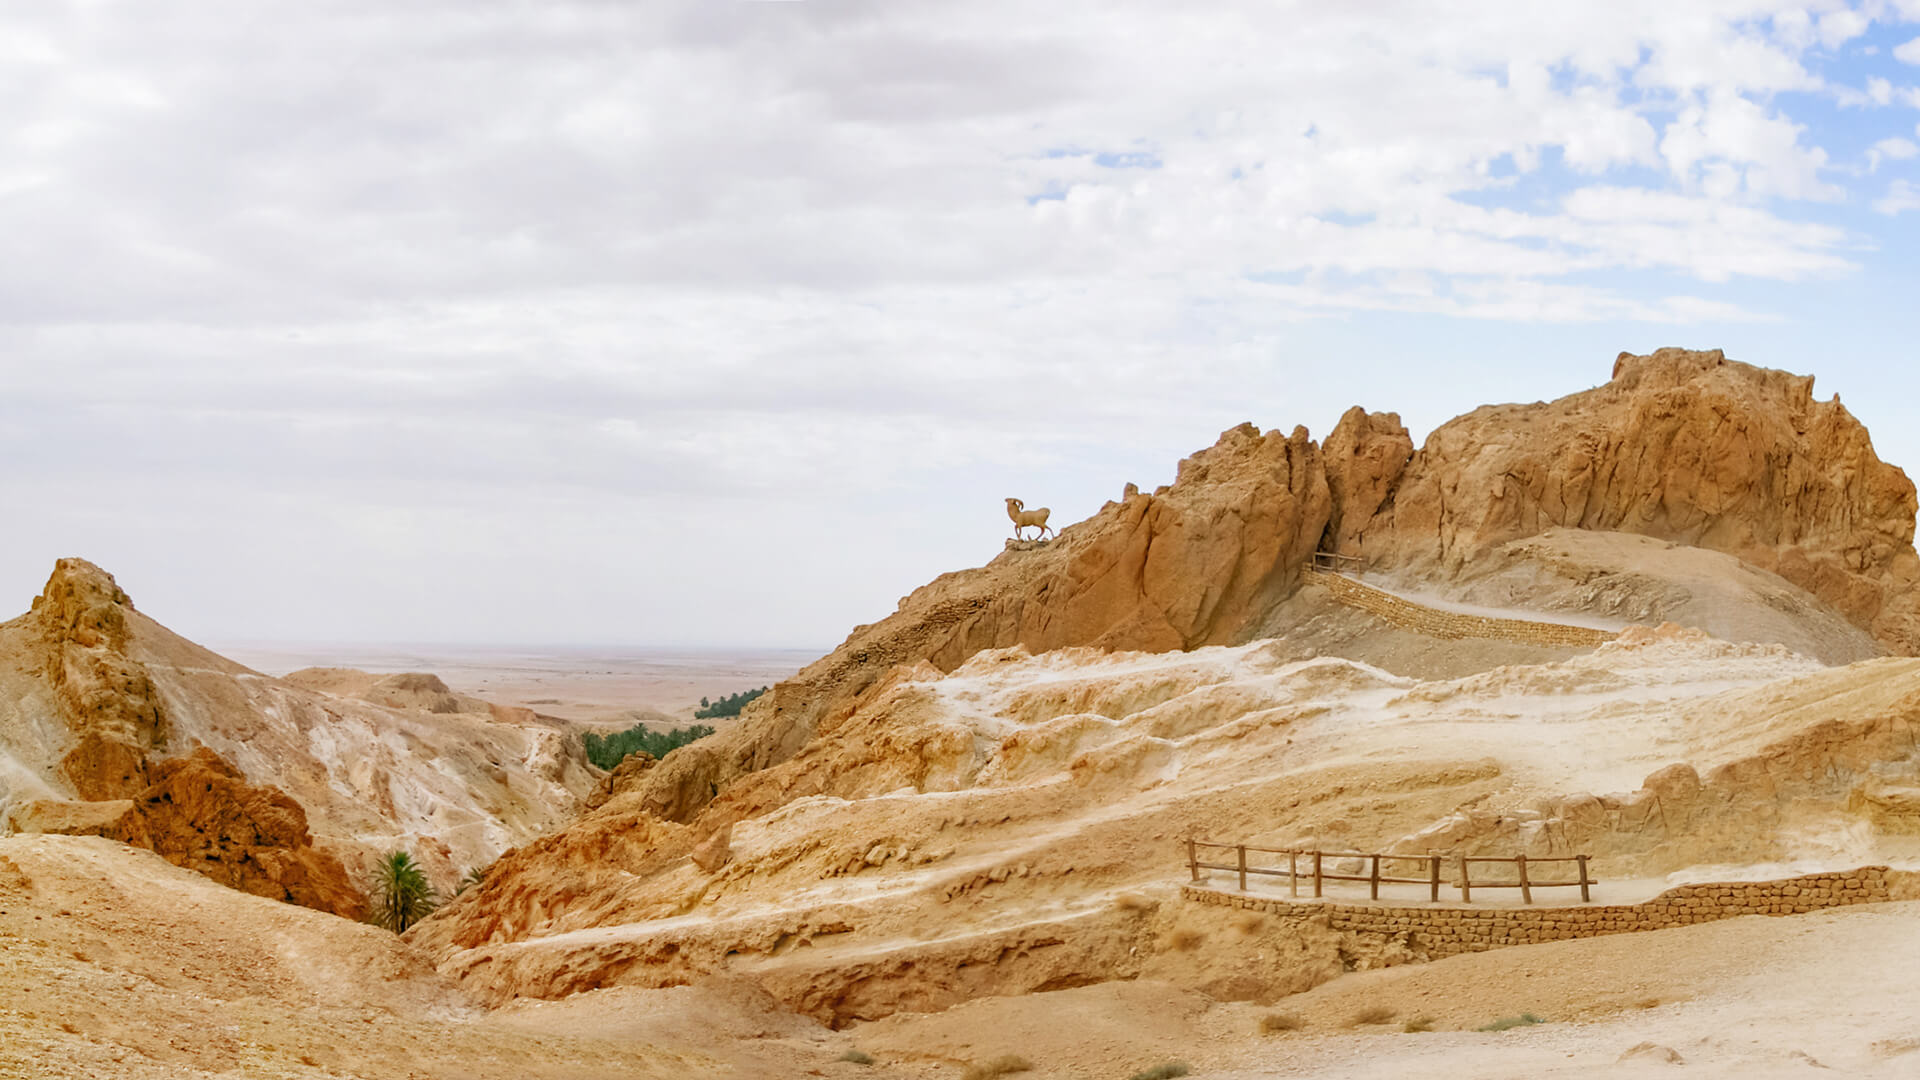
[[1013, 826], [968, 784], [112, 725], [1682, 447]]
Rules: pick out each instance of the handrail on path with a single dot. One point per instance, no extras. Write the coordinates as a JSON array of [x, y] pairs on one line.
[[1431, 863]]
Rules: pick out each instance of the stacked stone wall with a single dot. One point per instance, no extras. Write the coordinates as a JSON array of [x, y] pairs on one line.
[[1449, 929], [1454, 625]]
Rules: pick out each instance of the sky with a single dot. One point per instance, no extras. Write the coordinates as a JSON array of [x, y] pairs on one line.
[[586, 322]]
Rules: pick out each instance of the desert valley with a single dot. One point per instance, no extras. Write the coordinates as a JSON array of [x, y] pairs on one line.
[[1238, 777]]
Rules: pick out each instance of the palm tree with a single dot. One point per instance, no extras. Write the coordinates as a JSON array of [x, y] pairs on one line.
[[402, 895], [475, 876]]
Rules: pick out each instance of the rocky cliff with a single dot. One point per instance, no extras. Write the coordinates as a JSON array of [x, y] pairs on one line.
[[1680, 446], [111, 725], [1683, 446]]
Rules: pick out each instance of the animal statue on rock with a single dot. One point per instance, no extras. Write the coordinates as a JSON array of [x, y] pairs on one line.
[[1024, 518]]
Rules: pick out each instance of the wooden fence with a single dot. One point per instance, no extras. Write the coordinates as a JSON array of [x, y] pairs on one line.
[[1338, 564], [1313, 865]]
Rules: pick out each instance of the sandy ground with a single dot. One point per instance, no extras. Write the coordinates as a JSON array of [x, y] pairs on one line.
[[114, 964], [1438, 602], [1827, 994], [594, 686]]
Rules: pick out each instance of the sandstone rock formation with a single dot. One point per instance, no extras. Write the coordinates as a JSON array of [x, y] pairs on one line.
[[105, 698], [1680, 446], [992, 830], [103, 711], [1683, 446], [995, 738]]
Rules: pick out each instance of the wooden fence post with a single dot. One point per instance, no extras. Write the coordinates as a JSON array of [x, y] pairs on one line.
[[1374, 885], [1193, 861], [1243, 867], [1316, 875], [1293, 873], [1526, 890], [1466, 883], [1586, 896], [1433, 863]]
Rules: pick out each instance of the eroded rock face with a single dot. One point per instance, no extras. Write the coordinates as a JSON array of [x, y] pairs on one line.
[[106, 698], [1683, 446], [98, 703], [1194, 563], [201, 814], [1365, 457]]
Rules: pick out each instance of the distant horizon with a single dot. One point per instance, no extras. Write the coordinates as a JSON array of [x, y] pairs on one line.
[[323, 650]]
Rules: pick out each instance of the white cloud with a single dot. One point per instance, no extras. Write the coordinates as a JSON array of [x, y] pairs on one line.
[[1890, 149], [1839, 27], [1901, 196], [438, 259], [1758, 151], [1908, 53]]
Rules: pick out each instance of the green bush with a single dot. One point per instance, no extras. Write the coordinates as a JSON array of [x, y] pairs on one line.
[[1510, 1022], [400, 892], [858, 1057], [1166, 1071], [726, 706], [607, 751]]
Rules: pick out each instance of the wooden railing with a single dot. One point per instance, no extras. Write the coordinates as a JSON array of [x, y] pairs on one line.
[[1313, 866], [1338, 564]]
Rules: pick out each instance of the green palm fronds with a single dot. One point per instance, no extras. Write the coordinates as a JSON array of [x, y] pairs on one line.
[[401, 893]]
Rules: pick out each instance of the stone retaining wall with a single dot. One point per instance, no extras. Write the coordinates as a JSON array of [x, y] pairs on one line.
[[1453, 625], [1445, 930]]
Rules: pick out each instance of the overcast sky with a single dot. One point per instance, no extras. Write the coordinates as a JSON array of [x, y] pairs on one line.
[[585, 322]]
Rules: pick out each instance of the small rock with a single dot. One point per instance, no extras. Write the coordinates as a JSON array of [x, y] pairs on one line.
[[715, 851], [1647, 1051]]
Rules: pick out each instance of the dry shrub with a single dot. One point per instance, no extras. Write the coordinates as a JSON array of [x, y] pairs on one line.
[[1164, 1071], [1508, 1023], [1275, 1023], [858, 1057], [1647, 1003], [1416, 1026], [1000, 1066], [1133, 902], [1184, 940], [1250, 924], [1374, 1014]]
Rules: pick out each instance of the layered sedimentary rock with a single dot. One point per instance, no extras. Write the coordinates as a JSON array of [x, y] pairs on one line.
[[1005, 827], [1680, 446], [109, 722], [1683, 446], [200, 814]]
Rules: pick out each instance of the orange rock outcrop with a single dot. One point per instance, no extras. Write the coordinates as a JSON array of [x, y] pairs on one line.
[[201, 814], [198, 811], [1682, 446], [105, 697]]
